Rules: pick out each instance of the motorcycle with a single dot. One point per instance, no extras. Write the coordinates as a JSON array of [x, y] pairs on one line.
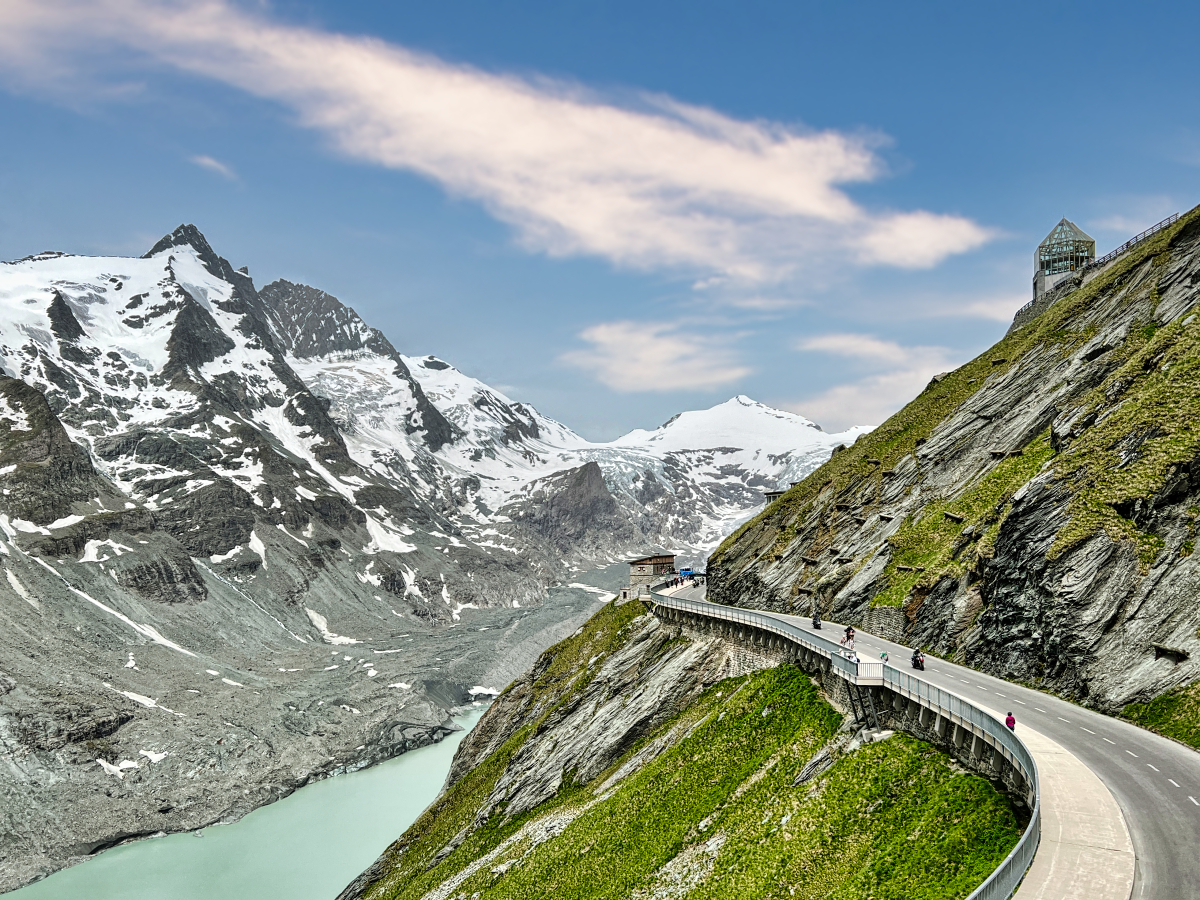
[[918, 661], [817, 622]]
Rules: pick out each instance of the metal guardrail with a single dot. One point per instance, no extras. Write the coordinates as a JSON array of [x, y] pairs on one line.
[[1112, 254], [1136, 239], [1006, 878]]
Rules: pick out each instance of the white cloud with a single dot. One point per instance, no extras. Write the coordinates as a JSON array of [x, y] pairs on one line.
[[917, 240], [993, 307], [855, 346], [996, 309], [213, 165], [655, 184], [635, 357], [904, 373]]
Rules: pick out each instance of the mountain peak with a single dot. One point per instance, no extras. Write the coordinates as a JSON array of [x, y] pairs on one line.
[[183, 236], [190, 236]]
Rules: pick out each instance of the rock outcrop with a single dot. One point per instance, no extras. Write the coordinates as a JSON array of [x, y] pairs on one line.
[[1034, 512]]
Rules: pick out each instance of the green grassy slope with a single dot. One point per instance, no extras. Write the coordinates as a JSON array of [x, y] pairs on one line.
[[1175, 714], [891, 820]]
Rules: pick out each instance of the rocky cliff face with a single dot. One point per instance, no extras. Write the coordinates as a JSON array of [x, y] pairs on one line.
[[1034, 512]]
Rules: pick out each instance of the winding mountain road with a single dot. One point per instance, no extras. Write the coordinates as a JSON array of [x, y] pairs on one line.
[[1156, 781]]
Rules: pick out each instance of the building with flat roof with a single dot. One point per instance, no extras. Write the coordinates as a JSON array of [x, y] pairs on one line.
[[1066, 249], [647, 571]]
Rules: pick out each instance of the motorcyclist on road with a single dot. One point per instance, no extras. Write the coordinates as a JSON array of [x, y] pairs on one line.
[[918, 659], [816, 620]]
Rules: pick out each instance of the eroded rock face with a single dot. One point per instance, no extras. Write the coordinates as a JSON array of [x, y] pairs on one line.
[[573, 512], [656, 672], [1033, 513]]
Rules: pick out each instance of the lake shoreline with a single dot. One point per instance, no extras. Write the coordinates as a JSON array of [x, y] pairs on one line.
[[462, 719]]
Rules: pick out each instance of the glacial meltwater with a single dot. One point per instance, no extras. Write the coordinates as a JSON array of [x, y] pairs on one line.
[[307, 846]]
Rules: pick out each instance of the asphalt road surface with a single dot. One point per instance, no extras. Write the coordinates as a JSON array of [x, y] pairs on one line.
[[1155, 780]]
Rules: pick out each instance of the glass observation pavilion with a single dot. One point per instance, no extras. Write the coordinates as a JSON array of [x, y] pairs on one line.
[[1065, 249]]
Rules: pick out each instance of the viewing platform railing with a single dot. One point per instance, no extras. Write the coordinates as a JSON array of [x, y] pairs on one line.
[[1113, 254], [1006, 878]]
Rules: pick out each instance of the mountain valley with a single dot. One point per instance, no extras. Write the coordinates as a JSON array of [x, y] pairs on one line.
[[247, 543]]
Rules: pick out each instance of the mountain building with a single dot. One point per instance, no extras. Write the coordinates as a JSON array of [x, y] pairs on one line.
[[647, 571], [1066, 248]]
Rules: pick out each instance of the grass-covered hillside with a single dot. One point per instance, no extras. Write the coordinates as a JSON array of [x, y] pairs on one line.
[[1175, 714], [1034, 512], [718, 801]]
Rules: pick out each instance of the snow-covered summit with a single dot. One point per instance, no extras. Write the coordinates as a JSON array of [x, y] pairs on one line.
[[738, 422], [685, 484]]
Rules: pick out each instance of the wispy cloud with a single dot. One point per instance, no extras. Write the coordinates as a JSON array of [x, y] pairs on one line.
[[900, 374], [636, 357], [855, 346], [991, 307], [653, 184], [1130, 215], [213, 165]]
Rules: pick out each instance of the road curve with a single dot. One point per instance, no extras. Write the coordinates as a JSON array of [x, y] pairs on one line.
[[1156, 781]]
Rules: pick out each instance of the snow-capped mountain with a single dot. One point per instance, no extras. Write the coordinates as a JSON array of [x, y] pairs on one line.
[[232, 514], [684, 485]]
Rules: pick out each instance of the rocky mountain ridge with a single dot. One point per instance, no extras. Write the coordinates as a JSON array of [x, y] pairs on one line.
[[1032, 513]]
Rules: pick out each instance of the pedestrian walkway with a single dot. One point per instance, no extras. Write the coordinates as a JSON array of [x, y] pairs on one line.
[[1085, 852]]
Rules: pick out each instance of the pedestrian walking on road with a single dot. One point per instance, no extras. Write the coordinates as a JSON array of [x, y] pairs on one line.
[[884, 657], [1011, 721]]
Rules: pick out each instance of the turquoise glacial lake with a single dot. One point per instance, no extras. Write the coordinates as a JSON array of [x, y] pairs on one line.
[[307, 846]]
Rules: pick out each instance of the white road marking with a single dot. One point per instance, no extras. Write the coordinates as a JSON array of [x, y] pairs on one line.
[[1155, 768], [1061, 719], [1022, 702], [1114, 743], [1193, 799], [998, 694], [1088, 730], [1131, 753], [1173, 781], [1039, 709]]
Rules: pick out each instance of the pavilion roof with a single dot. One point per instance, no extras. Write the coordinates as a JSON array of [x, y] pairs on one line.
[[1066, 230]]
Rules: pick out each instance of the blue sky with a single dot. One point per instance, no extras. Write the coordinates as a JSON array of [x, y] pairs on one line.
[[614, 211]]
